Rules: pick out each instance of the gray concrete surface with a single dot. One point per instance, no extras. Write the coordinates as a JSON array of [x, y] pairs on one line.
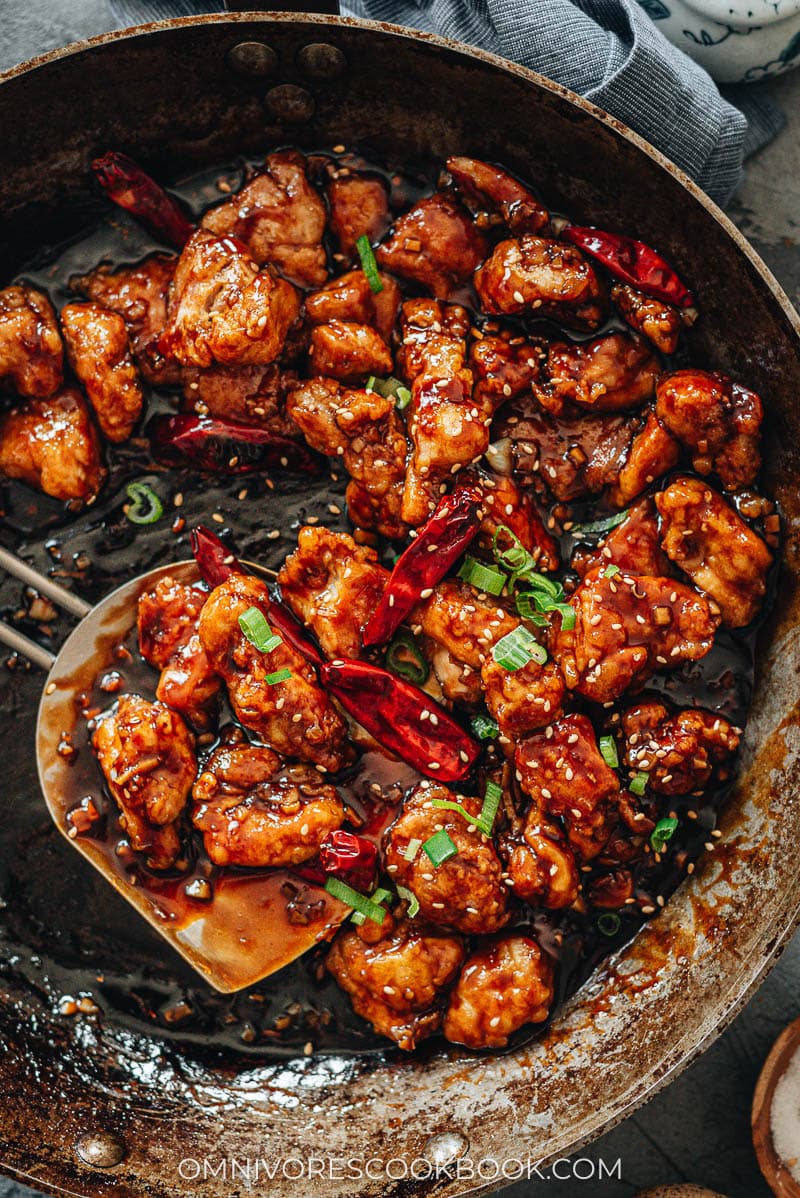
[[698, 1128]]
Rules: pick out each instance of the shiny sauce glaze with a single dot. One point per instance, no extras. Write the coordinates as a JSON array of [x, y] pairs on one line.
[[66, 939]]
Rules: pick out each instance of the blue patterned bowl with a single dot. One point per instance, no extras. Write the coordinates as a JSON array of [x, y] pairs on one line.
[[737, 42]]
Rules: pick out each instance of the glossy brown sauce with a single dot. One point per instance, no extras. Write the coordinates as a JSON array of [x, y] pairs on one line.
[[64, 933]]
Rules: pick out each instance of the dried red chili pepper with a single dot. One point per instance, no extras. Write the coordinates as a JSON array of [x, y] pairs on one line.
[[349, 857], [215, 560], [217, 563], [634, 262], [124, 182], [438, 544], [402, 718], [221, 446]]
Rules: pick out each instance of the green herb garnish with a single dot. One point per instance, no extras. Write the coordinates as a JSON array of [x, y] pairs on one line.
[[353, 898], [145, 506], [439, 848], [369, 264]]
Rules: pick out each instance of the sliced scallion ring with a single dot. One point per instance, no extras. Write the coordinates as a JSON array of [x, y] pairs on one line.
[[662, 833], [609, 923], [279, 676], [599, 525], [145, 507], [405, 658], [411, 899], [412, 848], [608, 751], [439, 848], [378, 896], [638, 783], [517, 648], [253, 624], [369, 264], [484, 727], [482, 577], [353, 898], [491, 801]]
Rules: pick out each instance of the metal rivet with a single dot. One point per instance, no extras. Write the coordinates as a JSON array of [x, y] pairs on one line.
[[100, 1150], [445, 1147], [254, 59], [290, 103], [320, 60]]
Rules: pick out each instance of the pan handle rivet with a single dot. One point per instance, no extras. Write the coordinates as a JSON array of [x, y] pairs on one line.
[[445, 1147], [100, 1150], [254, 59], [320, 60], [289, 103]]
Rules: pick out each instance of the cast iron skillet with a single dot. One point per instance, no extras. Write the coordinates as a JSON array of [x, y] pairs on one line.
[[95, 1109]]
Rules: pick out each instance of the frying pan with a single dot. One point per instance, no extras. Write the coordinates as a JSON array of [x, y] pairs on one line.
[[98, 1111]]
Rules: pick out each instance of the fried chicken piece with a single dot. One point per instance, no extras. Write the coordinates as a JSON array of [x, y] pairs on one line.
[[359, 205], [679, 752], [51, 444], [626, 626], [610, 891], [97, 344], [31, 353], [222, 308], [350, 298], [549, 278], [607, 374], [574, 455], [503, 985], [504, 367], [565, 775], [460, 626], [505, 505], [711, 543], [280, 219], [716, 420], [653, 318], [349, 352], [167, 622], [652, 451], [242, 394], [254, 811], [365, 430], [466, 892], [435, 244], [539, 862], [446, 428], [294, 716], [634, 545], [146, 753], [495, 197], [139, 295], [522, 700], [398, 982], [333, 586]]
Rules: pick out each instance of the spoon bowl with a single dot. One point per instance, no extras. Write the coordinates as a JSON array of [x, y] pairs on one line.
[[774, 1169], [243, 934]]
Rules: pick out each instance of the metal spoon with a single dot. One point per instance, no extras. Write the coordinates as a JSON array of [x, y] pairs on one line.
[[242, 935]]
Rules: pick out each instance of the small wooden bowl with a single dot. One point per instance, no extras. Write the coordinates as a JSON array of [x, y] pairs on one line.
[[679, 1191], [776, 1174]]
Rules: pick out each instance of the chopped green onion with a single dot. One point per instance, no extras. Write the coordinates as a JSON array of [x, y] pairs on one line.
[[389, 388], [567, 615], [378, 896], [484, 727], [279, 676], [402, 398], [599, 525], [663, 832], [517, 648], [405, 658], [482, 577], [439, 848], [522, 565], [412, 848], [359, 902], [491, 801], [368, 264], [609, 923], [145, 506], [610, 570], [371, 381], [253, 624], [608, 751], [532, 604], [411, 899], [638, 783], [452, 805]]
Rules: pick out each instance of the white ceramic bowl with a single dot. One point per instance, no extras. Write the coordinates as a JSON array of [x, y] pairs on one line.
[[737, 41]]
